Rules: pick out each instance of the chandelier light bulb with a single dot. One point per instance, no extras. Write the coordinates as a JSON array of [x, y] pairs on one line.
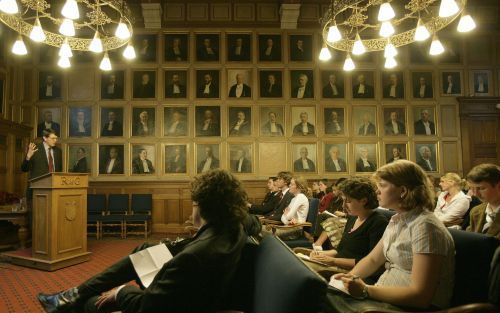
[[64, 62], [390, 51], [65, 50], [129, 52], [122, 31], [358, 48], [448, 8], [324, 54], [105, 63], [9, 6], [19, 47], [436, 46], [386, 12], [333, 34], [349, 64], [67, 28], [37, 33], [466, 23], [421, 32], [386, 29], [70, 10], [96, 44], [390, 62]]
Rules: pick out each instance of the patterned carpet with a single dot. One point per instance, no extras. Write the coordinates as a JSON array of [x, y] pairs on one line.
[[19, 285]]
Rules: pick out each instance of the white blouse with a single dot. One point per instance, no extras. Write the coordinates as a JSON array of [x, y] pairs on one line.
[[297, 209], [448, 212]]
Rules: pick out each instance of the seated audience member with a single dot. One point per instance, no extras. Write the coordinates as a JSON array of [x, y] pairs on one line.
[[270, 200], [297, 210], [363, 229], [316, 191], [285, 196], [326, 198], [475, 201], [334, 206], [416, 249], [201, 266], [452, 203], [484, 180]]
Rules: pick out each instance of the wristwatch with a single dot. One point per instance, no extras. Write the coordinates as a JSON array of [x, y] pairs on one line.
[[364, 293]]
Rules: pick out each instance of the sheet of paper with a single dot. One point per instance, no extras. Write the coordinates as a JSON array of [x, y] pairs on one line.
[[148, 262], [338, 284]]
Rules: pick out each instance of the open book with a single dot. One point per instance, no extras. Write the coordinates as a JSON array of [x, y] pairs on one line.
[[148, 262]]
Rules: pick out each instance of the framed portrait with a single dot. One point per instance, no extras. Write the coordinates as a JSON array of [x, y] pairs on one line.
[[112, 85], [176, 159], [176, 84], [239, 83], [426, 155], [144, 84], [239, 47], [451, 83], [270, 47], [48, 118], [271, 83], [111, 159], [422, 84], [302, 83], [80, 121], [395, 151], [207, 84], [393, 85], [207, 47], [363, 83], [335, 156], [79, 158], [366, 157], [301, 47], [304, 121], [145, 47], [481, 82], [364, 120], [395, 121], [176, 47], [334, 121], [175, 121], [111, 122], [332, 83], [207, 119], [49, 85], [424, 121], [272, 121], [304, 157], [207, 157], [240, 121], [452, 50], [241, 158], [143, 159], [419, 53], [143, 121]]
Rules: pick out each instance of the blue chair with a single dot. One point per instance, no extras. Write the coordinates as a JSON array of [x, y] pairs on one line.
[[115, 215], [140, 216], [96, 206]]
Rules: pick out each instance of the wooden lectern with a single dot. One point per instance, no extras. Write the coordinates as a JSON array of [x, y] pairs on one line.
[[59, 222]]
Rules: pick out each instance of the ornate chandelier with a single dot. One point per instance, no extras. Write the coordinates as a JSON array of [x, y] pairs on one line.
[[361, 26], [83, 25]]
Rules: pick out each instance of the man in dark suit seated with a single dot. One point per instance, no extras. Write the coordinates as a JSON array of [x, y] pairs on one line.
[[272, 127], [304, 164], [270, 201], [203, 265], [285, 196], [334, 163], [111, 90], [177, 162], [175, 89], [141, 164], [361, 89], [304, 89], [112, 127], [208, 88], [48, 123], [332, 89], [425, 159], [113, 164], [394, 90], [271, 89], [368, 128], [207, 52], [394, 126], [304, 127], [241, 127], [241, 164], [423, 89], [424, 126], [240, 89], [80, 165], [209, 163]]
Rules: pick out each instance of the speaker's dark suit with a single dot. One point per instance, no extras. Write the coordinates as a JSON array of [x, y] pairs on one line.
[[117, 129], [169, 91], [330, 165], [202, 267], [268, 204], [38, 165], [297, 129], [117, 167], [138, 167], [420, 128], [246, 93], [282, 204], [80, 166], [246, 166], [41, 127], [369, 131], [389, 130], [299, 167], [328, 91]]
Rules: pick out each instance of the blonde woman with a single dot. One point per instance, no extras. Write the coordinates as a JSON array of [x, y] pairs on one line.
[[297, 210], [452, 203], [416, 249]]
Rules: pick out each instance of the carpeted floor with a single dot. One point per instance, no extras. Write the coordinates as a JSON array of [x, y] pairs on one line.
[[19, 285]]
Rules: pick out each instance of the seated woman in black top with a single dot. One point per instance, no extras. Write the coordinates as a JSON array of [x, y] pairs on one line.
[[363, 229]]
